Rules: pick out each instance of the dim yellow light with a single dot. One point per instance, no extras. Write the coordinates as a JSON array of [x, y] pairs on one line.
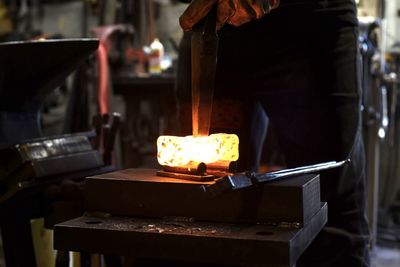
[[179, 151]]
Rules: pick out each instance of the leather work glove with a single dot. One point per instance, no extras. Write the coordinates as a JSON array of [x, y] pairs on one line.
[[235, 12]]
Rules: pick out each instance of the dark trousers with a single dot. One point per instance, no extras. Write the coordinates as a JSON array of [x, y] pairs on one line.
[[303, 72]]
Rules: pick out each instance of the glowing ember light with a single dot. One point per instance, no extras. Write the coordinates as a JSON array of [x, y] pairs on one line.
[[179, 151]]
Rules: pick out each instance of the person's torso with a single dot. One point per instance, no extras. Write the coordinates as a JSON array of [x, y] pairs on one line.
[[342, 9]]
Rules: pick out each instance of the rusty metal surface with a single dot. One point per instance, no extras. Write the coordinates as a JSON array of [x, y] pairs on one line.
[[278, 245], [140, 192]]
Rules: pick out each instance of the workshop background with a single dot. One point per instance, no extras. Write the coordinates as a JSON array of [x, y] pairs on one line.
[[139, 98]]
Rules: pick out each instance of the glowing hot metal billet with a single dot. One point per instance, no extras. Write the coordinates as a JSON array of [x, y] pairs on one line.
[[180, 151]]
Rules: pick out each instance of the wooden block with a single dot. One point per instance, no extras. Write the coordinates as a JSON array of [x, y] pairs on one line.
[[139, 192]]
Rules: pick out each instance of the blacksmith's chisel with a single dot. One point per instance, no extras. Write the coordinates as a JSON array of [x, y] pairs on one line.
[[204, 63]]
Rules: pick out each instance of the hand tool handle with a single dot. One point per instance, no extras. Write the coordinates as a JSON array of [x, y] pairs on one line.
[[204, 60], [304, 167], [270, 176]]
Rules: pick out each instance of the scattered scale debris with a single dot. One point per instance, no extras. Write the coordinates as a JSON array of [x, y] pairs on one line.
[[179, 225]]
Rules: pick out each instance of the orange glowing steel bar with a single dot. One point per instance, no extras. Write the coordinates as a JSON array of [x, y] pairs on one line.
[[178, 151]]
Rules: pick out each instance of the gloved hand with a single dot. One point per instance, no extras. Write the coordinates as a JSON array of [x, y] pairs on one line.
[[235, 12]]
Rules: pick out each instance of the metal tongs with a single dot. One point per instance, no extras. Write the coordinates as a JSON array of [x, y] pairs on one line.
[[248, 179]]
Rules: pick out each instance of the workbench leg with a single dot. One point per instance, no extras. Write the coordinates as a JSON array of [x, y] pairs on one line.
[[112, 261], [86, 259], [17, 242], [129, 261], [62, 258], [267, 265]]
